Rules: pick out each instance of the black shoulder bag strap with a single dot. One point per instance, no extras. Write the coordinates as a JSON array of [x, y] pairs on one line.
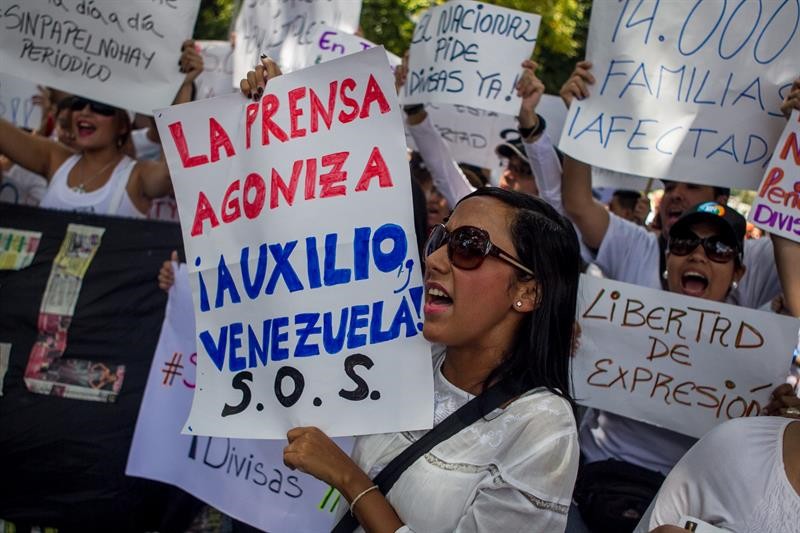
[[474, 409], [662, 261]]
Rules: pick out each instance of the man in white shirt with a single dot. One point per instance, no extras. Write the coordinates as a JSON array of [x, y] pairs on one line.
[[630, 253]]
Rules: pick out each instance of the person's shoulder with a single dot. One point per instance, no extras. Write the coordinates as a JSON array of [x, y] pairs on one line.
[[619, 225], [740, 438], [757, 248], [624, 238], [541, 414]]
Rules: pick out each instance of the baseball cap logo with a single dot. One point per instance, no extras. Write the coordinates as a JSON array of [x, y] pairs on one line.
[[712, 208]]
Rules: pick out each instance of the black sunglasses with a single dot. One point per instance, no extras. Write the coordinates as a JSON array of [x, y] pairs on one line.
[[96, 107], [715, 247], [468, 246]]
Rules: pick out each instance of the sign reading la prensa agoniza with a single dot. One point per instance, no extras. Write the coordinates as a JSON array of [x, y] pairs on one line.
[[298, 229]]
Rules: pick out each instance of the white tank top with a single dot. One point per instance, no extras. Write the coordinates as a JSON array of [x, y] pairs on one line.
[[110, 199]]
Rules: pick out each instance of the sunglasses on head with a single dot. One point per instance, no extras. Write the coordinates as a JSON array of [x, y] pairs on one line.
[[468, 246], [715, 247], [96, 107]]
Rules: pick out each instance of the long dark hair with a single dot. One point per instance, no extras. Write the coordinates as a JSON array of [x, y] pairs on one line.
[[546, 243]]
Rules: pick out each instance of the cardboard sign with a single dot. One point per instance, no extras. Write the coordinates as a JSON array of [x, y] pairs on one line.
[[686, 91], [473, 134], [682, 363], [16, 102], [217, 76], [285, 31], [454, 55], [297, 216], [776, 208], [120, 53], [329, 43], [245, 479], [604, 178]]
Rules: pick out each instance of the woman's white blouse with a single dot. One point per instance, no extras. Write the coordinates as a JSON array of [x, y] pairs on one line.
[[513, 470]]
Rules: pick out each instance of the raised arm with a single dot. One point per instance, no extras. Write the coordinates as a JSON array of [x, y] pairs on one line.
[[191, 64], [589, 215], [787, 259], [539, 148], [787, 253], [155, 178], [447, 176], [32, 152]]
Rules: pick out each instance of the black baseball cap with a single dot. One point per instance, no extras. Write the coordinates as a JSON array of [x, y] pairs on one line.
[[732, 224]]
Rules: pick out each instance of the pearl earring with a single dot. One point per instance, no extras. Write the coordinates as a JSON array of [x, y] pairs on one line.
[[665, 274], [735, 285], [519, 303]]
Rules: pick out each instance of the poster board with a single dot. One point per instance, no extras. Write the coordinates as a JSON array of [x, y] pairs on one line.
[[686, 364], [120, 53], [686, 91], [300, 234]]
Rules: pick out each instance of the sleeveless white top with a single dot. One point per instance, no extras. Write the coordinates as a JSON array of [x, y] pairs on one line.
[[734, 478], [110, 199]]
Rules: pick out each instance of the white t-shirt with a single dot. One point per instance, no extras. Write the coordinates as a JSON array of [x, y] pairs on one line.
[[513, 470], [630, 253], [733, 478]]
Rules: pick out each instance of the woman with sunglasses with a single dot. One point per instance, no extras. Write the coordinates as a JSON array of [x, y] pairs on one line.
[[99, 178], [704, 259], [501, 281], [501, 285]]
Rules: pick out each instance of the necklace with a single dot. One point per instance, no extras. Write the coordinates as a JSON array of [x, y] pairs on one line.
[[81, 187]]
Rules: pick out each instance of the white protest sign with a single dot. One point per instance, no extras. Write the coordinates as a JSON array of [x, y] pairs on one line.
[[472, 134], [455, 56], [554, 111], [776, 208], [602, 177], [682, 363], [16, 102], [686, 91], [245, 479], [286, 30], [329, 43], [217, 76], [121, 53], [297, 221]]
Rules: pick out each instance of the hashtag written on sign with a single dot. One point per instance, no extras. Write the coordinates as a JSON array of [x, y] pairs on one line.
[[172, 368]]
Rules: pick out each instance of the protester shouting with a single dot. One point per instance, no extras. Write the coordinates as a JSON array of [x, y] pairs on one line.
[[512, 468], [99, 178]]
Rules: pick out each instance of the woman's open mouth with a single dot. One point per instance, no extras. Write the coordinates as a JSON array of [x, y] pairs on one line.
[[694, 283]]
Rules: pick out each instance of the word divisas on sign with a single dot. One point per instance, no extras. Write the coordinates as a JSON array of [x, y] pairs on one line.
[[120, 53], [686, 364], [686, 91], [285, 30], [243, 478], [454, 54], [297, 217], [776, 207]]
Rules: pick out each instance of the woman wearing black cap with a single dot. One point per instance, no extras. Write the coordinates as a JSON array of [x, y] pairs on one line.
[[704, 252], [743, 475]]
